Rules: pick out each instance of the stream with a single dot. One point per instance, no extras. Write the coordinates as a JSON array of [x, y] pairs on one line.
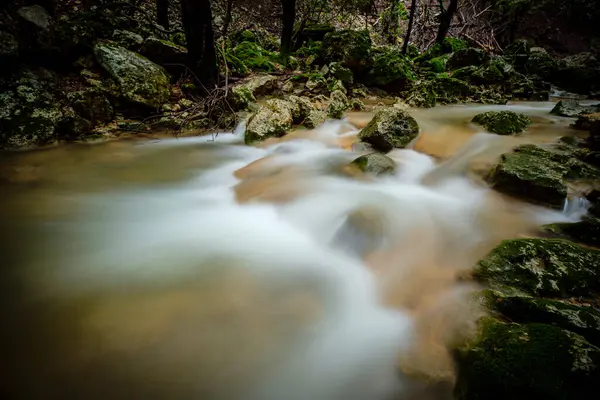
[[195, 268]]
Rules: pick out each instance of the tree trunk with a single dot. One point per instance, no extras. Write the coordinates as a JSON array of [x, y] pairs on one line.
[[162, 13], [227, 19], [392, 22], [446, 20], [411, 18], [197, 23], [287, 31]]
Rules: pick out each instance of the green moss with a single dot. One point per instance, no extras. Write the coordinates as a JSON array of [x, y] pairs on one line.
[[340, 72], [543, 267], [503, 122], [583, 320], [532, 361], [438, 64], [452, 45], [391, 70], [255, 57], [350, 48]]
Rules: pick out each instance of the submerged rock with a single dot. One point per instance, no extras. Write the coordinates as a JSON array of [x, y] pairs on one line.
[[543, 267], [140, 80], [572, 108], [390, 128], [273, 119], [529, 361], [376, 164], [338, 105], [503, 122]]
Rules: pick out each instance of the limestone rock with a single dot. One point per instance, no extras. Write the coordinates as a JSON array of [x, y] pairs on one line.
[[390, 128], [273, 119], [338, 105], [140, 80]]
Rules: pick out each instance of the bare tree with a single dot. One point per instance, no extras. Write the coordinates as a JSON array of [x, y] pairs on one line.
[[446, 19], [411, 19], [162, 13], [202, 58], [287, 31]]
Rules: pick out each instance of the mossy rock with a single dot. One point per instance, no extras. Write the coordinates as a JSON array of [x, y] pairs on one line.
[[92, 105], [449, 90], [164, 53], [273, 119], [438, 64], [315, 118], [422, 95], [350, 48], [581, 319], [255, 57], [579, 73], [530, 177], [572, 109], [448, 46], [257, 35], [342, 73], [140, 80], [542, 267], [129, 40], [376, 164], [586, 231], [529, 361], [242, 95], [338, 105], [541, 64], [315, 32], [391, 71], [518, 52], [301, 108], [465, 57], [390, 128], [503, 122]]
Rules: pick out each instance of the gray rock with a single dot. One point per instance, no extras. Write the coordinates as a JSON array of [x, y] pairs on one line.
[[376, 164], [315, 118], [140, 80], [338, 104], [273, 119], [35, 15], [390, 128], [572, 109], [242, 95], [301, 108], [163, 52], [130, 40]]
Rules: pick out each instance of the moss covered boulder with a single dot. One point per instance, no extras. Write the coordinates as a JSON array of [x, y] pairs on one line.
[[140, 80], [530, 177], [581, 319], [502, 122], [579, 73], [391, 71], [541, 64], [466, 57], [586, 231], [341, 73], [352, 49], [29, 110], [338, 105], [390, 128], [375, 164], [315, 118], [273, 119], [528, 361], [517, 53], [240, 96], [91, 104], [543, 267]]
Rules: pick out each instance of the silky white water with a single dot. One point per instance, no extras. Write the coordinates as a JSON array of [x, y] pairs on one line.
[[233, 272]]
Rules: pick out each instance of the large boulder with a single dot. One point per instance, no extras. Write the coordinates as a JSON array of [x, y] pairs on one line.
[[532, 176], [242, 95], [140, 80], [376, 164], [581, 319], [390, 128], [529, 361], [29, 111], [350, 48], [572, 109], [273, 119], [543, 267], [503, 122], [164, 53]]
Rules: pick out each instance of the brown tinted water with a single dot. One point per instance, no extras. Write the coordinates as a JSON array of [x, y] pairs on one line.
[[188, 268]]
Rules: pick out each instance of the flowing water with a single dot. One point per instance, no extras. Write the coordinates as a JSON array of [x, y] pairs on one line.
[[199, 269]]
